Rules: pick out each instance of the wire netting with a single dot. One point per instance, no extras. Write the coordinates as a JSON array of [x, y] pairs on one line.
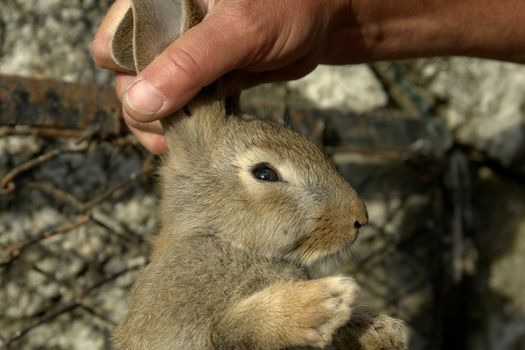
[[77, 212]]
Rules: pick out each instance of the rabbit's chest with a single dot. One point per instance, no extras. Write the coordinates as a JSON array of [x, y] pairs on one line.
[[227, 275]]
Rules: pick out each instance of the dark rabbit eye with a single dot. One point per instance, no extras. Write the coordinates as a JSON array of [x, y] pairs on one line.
[[264, 172]]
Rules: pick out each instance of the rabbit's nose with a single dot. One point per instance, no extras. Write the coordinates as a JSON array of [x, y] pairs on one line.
[[360, 215]]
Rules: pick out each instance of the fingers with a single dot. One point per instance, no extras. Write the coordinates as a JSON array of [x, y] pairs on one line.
[[242, 41], [122, 82], [202, 55], [152, 141], [239, 80], [150, 135], [101, 46]]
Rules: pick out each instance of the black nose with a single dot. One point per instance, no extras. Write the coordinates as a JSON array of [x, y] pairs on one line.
[[357, 225]]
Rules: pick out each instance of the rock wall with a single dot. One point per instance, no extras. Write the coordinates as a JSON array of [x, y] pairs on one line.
[[482, 102]]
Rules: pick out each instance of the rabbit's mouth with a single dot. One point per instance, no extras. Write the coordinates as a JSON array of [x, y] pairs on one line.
[[330, 263], [315, 249], [341, 253]]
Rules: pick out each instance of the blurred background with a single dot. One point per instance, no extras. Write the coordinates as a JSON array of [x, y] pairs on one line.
[[436, 147]]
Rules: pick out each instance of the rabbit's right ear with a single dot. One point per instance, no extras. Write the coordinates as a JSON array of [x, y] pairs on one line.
[[146, 30], [148, 27]]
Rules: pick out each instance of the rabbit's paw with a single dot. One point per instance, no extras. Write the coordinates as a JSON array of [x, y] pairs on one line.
[[317, 308], [384, 333], [368, 330]]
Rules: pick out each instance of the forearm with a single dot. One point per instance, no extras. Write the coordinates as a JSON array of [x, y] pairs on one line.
[[366, 30]]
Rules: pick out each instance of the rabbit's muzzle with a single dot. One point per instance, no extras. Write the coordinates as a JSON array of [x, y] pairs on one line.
[[332, 232]]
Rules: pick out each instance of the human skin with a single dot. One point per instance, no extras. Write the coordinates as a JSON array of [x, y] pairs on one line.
[[250, 42]]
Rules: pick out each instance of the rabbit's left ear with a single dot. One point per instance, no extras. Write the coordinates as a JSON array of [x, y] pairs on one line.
[[148, 28]]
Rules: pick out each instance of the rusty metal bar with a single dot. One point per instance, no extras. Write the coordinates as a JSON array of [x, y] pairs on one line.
[[52, 105], [59, 105], [386, 133]]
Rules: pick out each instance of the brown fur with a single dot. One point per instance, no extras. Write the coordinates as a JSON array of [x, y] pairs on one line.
[[232, 266]]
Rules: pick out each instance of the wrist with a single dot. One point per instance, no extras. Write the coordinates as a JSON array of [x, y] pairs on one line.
[[367, 31]]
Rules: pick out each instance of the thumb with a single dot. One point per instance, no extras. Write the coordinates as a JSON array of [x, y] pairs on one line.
[[199, 57]]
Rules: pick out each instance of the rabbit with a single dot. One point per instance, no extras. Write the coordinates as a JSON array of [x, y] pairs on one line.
[[252, 214]]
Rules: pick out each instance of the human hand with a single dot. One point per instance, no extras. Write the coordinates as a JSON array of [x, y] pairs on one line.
[[247, 42], [244, 41]]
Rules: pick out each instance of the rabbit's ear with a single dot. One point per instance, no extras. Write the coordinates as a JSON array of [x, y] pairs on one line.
[[196, 128], [122, 43], [149, 27], [146, 30]]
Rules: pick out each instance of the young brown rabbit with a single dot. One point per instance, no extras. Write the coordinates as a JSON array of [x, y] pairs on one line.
[[250, 213]]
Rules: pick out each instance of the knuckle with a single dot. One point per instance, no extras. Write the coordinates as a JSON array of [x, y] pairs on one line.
[[184, 63], [245, 24], [243, 16]]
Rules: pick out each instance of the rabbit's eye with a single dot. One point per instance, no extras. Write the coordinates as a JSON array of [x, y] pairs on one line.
[[265, 172]]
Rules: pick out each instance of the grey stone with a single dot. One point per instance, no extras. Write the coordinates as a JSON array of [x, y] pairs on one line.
[[350, 88], [51, 39], [482, 101]]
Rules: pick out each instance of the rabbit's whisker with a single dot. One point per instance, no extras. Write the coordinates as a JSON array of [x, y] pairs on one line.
[[353, 252], [296, 246]]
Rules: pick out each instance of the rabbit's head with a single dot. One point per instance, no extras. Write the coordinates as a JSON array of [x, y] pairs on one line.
[[254, 183], [258, 185]]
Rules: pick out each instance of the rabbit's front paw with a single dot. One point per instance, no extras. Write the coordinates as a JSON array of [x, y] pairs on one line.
[[368, 330], [384, 333], [318, 308]]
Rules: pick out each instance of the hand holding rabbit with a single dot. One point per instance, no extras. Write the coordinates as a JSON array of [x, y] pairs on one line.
[[252, 42]]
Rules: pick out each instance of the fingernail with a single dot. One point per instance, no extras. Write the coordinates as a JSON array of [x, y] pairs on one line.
[[144, 98]]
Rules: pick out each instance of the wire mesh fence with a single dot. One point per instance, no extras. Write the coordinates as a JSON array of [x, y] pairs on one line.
[[73, 233], [77, 209]]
